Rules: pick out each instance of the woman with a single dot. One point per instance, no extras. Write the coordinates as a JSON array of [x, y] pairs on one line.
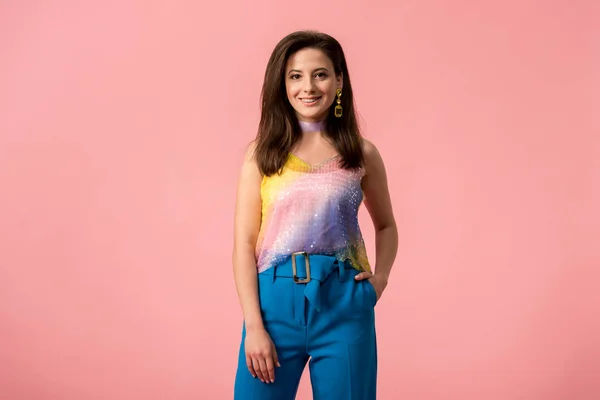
[[304, 281]]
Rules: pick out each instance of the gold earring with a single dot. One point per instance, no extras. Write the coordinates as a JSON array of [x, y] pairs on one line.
[[338, 109]]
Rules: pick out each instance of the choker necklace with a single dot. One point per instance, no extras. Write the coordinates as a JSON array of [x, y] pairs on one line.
[[311, 126]]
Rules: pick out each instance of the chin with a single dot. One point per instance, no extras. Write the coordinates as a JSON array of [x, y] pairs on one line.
[[315, 117], [316, 114]]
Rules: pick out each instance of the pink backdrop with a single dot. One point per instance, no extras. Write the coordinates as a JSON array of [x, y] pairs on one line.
[[123, 124]]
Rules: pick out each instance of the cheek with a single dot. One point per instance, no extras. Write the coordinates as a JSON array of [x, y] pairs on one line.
[[328, 88], [292, 90]]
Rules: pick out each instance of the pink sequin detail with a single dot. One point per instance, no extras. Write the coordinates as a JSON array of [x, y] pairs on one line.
[[313, 209]]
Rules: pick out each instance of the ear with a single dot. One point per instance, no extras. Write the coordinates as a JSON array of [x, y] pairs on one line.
[[340, 80]]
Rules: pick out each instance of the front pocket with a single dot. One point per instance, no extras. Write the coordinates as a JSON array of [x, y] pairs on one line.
[[275, 297], [371, 289]]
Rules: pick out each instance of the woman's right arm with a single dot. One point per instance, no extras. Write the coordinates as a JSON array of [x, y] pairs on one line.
[[261, 356]]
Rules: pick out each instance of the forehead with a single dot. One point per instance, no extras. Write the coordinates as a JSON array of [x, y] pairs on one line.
[[308, 59]]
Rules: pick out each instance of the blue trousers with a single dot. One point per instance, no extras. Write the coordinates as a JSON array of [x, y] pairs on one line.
[[329, 321]]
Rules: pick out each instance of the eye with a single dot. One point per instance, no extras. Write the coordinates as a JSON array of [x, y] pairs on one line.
[[321, 75], [295, 76]]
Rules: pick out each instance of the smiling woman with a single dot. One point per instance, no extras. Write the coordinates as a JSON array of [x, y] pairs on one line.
[[304, 280], [311, 84], [306, 73]]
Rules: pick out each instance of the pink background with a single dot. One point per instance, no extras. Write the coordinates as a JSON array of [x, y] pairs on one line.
[[123, 125]]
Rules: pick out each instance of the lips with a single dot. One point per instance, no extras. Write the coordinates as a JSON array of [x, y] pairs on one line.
[[310, 100]]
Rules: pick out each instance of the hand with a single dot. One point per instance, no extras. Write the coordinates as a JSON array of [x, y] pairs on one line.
[[261, 356], [379, 282]]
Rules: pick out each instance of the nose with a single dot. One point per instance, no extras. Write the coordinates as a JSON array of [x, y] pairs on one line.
[[308, 85]]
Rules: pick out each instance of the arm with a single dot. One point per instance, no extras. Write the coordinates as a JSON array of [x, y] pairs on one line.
[[261, 356], [379, 205], [246, 226]]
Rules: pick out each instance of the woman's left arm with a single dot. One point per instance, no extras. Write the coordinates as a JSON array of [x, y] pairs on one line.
[[379, 205]]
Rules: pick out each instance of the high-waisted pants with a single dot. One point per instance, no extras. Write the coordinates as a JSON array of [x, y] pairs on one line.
[[329, 321]]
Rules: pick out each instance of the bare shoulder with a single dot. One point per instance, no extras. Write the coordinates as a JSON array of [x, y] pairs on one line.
[[249, 154], [250, 166], [369, 147], [373, 160]]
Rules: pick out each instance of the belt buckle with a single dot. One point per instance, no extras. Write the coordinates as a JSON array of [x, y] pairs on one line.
[[294, 271]]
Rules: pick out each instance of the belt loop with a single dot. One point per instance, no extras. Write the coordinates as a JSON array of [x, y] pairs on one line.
[[342, 268], [274, 271]]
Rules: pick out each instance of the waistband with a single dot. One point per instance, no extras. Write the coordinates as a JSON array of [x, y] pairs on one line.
[[320, 267]]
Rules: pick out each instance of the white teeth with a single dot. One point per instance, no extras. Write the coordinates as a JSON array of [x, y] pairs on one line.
[[309, 100]]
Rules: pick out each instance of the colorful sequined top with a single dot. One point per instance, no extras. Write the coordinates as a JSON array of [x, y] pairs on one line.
[[312, 209]]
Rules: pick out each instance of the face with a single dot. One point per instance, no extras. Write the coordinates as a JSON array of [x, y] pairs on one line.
[[311, 84]]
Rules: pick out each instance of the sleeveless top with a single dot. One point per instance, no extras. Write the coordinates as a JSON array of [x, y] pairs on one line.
[[311, 208]]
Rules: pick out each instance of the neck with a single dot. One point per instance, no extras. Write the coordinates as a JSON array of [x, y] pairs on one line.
[[311, 126]]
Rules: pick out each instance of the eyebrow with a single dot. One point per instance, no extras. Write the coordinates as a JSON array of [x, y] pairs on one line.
[[315, 70]]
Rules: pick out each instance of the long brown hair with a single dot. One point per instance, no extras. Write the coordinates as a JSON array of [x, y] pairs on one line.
[[279, 129]]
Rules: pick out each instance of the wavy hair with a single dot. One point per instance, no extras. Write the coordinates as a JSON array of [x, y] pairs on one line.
[[279, 129]]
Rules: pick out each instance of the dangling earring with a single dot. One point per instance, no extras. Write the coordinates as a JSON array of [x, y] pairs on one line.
[[338, 109]]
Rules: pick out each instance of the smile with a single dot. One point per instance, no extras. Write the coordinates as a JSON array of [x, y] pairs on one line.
[[311, 100]]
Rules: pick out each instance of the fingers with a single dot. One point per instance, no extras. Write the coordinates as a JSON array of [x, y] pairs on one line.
[[261, 357], [264, 371], [363, 275], [276, 357], [263, 367], [270, 369], [256, 365], [250, 366]]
